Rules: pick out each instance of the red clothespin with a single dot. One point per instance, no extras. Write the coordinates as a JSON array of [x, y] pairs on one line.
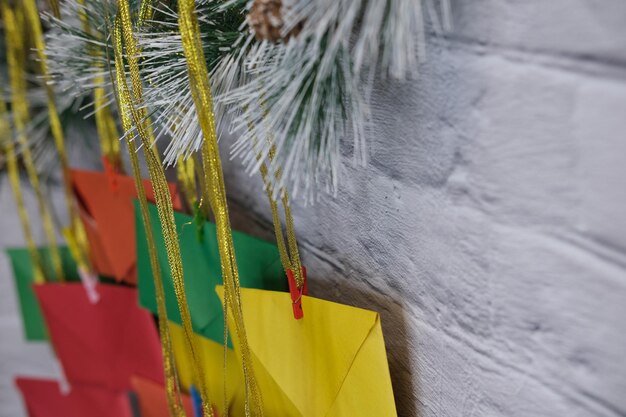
[[297, 293], [111, 174]]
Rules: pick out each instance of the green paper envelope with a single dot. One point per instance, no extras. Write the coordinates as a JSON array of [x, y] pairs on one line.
[[258, 262], [34, 326]]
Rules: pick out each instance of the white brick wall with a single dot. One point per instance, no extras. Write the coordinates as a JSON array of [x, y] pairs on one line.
[[490, 226]]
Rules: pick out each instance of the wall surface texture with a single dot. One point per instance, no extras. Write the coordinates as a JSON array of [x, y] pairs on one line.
[[489, 228]]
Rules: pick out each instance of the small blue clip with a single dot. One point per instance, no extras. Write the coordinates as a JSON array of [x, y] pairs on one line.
[[196, 401]]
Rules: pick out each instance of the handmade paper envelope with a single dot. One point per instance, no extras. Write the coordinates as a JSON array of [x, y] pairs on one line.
[[153, 398], [107, 213], [104, 343], [43, 398], [22, 264], [258, 262], [332, 362], [212, 360]]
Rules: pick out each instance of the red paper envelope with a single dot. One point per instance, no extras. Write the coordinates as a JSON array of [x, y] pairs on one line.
[[43, 398], [153, 399], [105, 343], [109, 218]]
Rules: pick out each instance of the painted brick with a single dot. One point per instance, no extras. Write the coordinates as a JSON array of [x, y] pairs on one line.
[[489, 227]]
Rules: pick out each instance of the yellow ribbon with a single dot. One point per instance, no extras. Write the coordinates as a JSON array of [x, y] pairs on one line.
[[16, 56], [133, 113], [215, 189], [34, 24]]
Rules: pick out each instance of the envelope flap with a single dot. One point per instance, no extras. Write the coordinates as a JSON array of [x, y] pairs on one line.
[[112, 210], [308, 358], [215, 373], [22, 265], [200, 277], [101, 343], [258, 262], [367, 390], [153, 398], [44, 399], [74, 338]]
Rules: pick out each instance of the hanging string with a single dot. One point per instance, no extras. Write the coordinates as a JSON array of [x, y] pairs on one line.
[[6, 141], [56, 10], [16, 59], [215, 189], [289, 255], [145, 11], [171, 382], [132, 115], [185, 170], [75, 232], [105, 123]]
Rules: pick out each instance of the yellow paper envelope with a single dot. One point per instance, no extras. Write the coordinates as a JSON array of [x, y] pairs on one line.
[[331, 363], [212, 359]]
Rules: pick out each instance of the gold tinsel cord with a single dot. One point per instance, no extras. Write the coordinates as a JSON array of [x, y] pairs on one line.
[[14, 20], [74, 233], [128, 109], [215, 190]]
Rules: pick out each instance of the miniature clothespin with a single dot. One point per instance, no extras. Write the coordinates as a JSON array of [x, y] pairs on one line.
[[297, 292], [111, 174], [90, 283], [199, 220], [88, 277], [196, 401]]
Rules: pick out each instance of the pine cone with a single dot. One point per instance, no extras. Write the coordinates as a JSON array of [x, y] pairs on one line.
[[266, 21]]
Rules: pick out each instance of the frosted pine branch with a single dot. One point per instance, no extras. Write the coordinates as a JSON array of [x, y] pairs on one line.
[[308, 96]]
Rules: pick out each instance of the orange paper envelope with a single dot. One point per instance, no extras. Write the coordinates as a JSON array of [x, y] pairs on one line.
[[153, 398], [43, 398], [109, 218], [105, 343]]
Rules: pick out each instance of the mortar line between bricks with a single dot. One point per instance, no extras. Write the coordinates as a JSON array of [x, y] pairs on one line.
[[312, 250], [573, 241], [600, 250], [582, 64], [592, 401], [459, 339]]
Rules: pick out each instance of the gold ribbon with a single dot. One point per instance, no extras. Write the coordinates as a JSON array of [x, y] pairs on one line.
[[215, 190], [145, 11], [133, 113], [56, 10], [34, 24], [6, 138], [289, 258], [289, 255], [185, 170], [171, 382], [16, 57], [105, 123]]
